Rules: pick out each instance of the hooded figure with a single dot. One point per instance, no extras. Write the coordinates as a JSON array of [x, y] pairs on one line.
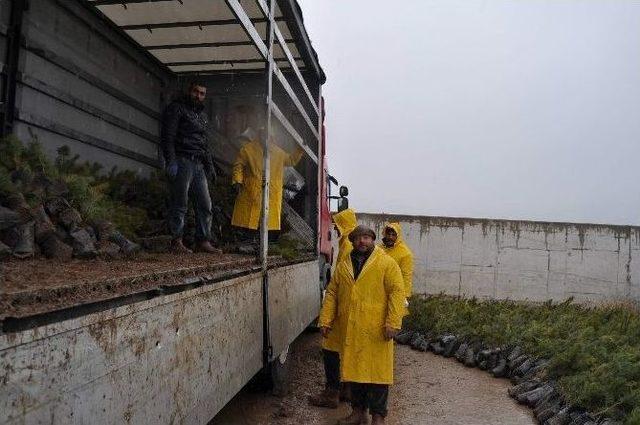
[[360, 308], [345, 222], [247, 173], [399, 251]]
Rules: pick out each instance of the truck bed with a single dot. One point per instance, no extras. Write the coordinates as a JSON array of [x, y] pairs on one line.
[[37, 286]]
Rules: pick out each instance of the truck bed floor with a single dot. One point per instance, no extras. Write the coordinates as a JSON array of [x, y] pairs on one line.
[[30, 287]]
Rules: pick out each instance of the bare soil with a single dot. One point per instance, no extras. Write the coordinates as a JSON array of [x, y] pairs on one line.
[[429, 389], [38, 285]]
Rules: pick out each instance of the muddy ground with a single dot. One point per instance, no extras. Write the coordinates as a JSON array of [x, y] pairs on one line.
[[35, 286], [429, 390]]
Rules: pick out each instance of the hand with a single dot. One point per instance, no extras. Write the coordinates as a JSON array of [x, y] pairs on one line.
[[324, 331], [172, 169], [390, 333], [237, 187]]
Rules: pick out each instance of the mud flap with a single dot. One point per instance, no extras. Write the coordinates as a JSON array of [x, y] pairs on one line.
[[274, 378], [280, 374]]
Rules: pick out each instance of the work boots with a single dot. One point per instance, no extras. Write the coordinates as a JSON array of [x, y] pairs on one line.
[[327, 398], [345, 392], [177, 247], [357, 417], [205, 246], [377, 419]]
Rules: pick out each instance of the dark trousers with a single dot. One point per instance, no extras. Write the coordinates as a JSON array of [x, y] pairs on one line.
[[370, 396], [191, 178], [331, 369], [253, 236]]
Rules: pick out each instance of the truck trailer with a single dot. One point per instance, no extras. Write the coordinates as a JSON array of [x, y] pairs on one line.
[[158, 339]]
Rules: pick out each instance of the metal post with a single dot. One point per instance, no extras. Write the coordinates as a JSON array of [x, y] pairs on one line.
[[267, 349], [11, 73], [320, 164]]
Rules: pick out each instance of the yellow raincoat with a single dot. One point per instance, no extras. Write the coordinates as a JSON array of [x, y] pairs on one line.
[[403, 256], [345, 221], [363, 307], [247, 170]]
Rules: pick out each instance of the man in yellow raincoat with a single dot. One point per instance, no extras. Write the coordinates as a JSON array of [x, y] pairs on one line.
[[345, 222], [247, 179], [366, 296], [395, 247]]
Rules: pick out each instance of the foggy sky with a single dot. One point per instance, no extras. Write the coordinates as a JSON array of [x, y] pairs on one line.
[[501, 109]]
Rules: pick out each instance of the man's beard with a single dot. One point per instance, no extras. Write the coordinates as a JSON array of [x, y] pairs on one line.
[[388, 242], [195, 102], [364, 249]]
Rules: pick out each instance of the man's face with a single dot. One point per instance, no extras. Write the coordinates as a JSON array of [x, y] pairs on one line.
[[390, 237], [198, 93], [363, 243]]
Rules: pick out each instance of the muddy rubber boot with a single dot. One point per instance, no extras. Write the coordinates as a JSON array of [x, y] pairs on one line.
[[177, 247], [326, 398], [357, 417], [377, 420], [205, 246], [345, 392]]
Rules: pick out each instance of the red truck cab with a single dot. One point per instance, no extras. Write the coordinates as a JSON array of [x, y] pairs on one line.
[[325, 223]]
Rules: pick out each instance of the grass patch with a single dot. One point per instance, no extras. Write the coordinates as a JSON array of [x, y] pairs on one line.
[[594, 353]]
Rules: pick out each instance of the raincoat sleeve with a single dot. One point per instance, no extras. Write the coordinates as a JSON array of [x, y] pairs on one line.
[[406, 267], [330, 305], [294, 157], [394, 286], [239, 167]]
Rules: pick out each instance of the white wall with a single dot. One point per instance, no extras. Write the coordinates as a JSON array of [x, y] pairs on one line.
[[520, 259]]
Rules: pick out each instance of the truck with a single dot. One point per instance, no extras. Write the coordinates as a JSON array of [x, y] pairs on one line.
[[157, 338]]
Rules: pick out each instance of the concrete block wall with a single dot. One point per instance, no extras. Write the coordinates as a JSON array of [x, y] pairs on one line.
[[520, 260]]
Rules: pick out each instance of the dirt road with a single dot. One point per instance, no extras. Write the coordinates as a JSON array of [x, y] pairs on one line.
[[429, 390]]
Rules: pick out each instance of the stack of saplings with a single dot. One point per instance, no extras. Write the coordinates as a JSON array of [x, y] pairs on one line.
[[57, 208], [572, 365]]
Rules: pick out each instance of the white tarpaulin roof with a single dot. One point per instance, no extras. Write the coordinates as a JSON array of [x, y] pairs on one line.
[[199, 35]]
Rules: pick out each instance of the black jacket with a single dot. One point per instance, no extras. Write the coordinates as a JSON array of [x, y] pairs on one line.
[[184, 133]]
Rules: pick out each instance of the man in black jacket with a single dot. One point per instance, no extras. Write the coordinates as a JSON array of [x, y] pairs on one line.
[[188, 163]]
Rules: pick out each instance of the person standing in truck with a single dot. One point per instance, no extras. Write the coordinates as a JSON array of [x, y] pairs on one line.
[[247, 178], [395, 247], [345, 222], [366, 295], [188, 164]]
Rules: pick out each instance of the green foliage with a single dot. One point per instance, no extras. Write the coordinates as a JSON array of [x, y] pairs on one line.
[[121, 197], [287, 248], [594, 353]]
